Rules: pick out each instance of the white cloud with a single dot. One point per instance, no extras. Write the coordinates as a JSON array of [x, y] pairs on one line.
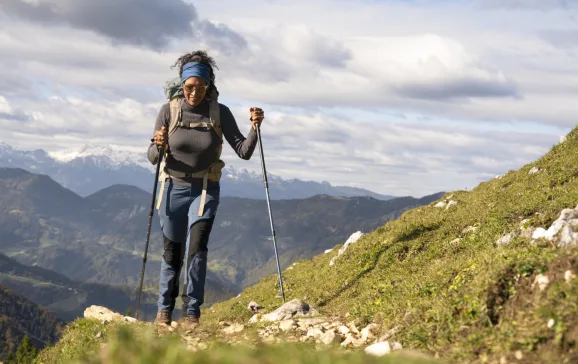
[[384, 96], [5, 107]]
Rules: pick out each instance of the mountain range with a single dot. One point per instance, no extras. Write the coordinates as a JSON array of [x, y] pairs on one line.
[[95, 166], [100, 238]]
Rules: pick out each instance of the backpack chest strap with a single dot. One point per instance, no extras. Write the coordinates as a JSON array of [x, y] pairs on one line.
[[190, 125]]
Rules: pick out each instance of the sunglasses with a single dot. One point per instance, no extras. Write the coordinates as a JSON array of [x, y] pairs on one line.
[[191, 88]]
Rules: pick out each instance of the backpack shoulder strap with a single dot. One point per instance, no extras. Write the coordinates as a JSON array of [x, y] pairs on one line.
[[215, 116], [175, 112]]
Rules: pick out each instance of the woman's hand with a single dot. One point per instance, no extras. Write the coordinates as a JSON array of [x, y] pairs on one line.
[[161, 137], [256, 115]]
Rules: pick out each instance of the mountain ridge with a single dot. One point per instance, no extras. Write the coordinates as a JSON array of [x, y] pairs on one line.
[[96, 166], [100, 238]]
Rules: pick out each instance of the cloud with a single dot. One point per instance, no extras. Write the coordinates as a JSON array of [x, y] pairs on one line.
[[525, 4], [420, 92], [455, 89], [150, 23], [383, 155], [563, 39]]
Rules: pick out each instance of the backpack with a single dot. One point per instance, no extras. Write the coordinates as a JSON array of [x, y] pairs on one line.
[[173, 90]]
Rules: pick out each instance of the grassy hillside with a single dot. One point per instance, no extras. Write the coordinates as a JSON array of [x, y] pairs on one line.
[[439, 283], [461, 299]]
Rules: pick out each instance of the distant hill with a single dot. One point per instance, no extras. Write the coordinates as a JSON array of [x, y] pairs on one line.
[[64, 298], [20, 316]]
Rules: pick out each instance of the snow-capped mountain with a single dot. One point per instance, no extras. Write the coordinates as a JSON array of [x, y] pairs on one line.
[[111, 156], [96, 166]]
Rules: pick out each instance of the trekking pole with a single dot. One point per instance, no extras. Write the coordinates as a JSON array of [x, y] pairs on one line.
[[144, 260], [269, 207]]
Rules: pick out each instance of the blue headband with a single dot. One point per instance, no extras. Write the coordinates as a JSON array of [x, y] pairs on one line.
[[196, 69]]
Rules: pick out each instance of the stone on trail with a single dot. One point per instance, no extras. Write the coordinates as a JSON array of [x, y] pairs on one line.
[[233, 329], [294, 308], [286, 325], [106, 315], [382, 348], [254, 306], [329, 338]]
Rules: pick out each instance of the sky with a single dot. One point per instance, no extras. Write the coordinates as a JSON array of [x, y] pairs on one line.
[[399, 97]]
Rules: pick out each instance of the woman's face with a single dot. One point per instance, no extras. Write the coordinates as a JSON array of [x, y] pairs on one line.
[[194, 90]]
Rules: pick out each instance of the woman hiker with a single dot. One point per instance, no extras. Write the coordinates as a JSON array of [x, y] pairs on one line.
[[192, 150]]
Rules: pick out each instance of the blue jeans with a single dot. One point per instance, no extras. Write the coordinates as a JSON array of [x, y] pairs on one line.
[[186, 236]]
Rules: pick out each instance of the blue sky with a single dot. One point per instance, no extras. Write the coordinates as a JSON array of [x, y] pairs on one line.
[[401, 97]]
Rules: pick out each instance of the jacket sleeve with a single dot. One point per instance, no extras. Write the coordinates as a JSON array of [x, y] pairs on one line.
[[162, 119], [244, 147]]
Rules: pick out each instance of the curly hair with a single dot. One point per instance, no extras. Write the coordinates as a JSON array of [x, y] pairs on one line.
[[201, 57]]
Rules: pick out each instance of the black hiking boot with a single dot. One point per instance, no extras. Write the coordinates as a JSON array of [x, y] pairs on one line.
[[163, 318]]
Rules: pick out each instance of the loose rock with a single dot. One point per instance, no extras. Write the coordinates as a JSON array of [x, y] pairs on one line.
[[105, 315], [354, 238], [368, 332], [330, 338], [566, 222], [469, 229], [378, 349], [504, 240], [308, 322], [294, 308], [233, 329], [568, 276], [451, 204], [440, 204], [286, 325], [314, 333], [254, 306], [542, 281]]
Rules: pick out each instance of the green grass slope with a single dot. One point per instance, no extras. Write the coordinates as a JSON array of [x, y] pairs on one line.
[[439, 286], [462, 300]]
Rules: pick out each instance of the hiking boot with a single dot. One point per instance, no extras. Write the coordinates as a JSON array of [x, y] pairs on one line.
[[163, 317], [188, 323]]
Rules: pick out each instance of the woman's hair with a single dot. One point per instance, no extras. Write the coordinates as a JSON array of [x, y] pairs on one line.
[[201, 57]]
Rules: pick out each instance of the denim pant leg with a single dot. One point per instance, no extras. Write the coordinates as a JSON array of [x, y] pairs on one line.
[[196, 256], [173, 219]]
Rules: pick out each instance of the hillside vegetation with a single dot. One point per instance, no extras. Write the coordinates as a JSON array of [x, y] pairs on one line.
[[20, 317], [442, 281]]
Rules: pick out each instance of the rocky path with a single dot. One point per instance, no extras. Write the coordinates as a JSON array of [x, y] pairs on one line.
[[295, 321]]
